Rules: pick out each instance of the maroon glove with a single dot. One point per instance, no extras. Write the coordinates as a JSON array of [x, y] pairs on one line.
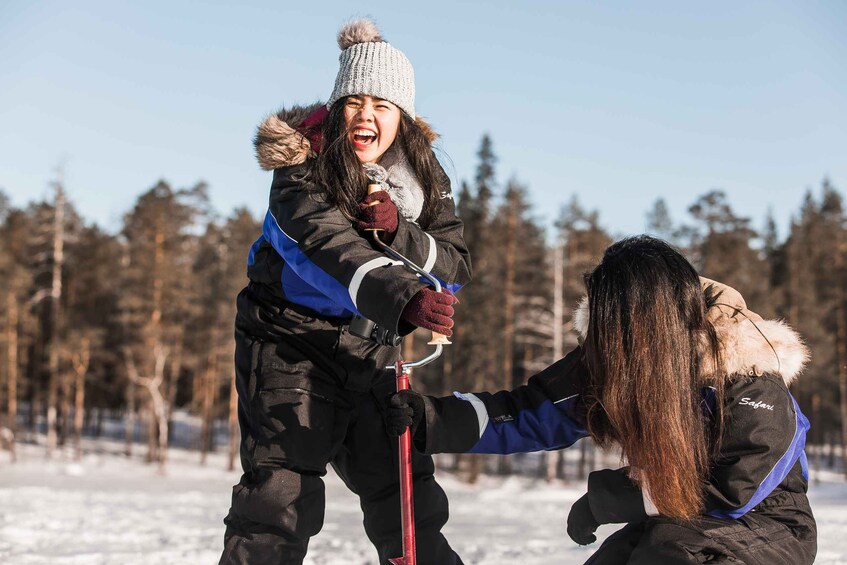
[[431, 310], [380, 216]]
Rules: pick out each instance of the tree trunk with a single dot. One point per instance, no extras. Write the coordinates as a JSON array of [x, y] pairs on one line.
[[816, 411], [830, 462], [79, 414], [55, 317], [505, 462], [210, 397], [161, 412], [65, 403], [12, 364], [554, 458], [129, 429], [81, 360], [156, 333], [841, 351], [152, 433], [583, 459], [445, 389], [474, 468], [234, 430], [98, 424], [158, 404]]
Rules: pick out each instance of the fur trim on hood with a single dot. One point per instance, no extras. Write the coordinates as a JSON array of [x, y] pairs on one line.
[[289, 137], [748, 346]]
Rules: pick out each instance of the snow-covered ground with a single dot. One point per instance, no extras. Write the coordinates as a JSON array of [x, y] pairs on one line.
[[107, 509]]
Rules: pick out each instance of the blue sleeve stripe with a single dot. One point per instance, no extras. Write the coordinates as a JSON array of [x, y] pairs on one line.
[[804, 466], [780, 470], [804, 423], [547, 426], [300, 292], [302, 266], [251, 255], [452, 287]]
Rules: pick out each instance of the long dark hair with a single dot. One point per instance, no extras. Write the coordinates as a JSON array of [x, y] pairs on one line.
[[338, 174], [646, 334]]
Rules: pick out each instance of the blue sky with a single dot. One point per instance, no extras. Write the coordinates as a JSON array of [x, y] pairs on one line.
[[617, 103]]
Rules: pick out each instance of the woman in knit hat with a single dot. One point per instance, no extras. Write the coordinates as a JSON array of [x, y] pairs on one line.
[[310, 391]]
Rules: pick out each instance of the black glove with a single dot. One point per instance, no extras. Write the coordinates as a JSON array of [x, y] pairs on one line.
[[615, 498], [405, 410], [581, 522]]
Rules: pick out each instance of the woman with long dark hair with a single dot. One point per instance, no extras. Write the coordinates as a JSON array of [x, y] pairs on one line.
[[691, 386], [324, 310], [647, 344]]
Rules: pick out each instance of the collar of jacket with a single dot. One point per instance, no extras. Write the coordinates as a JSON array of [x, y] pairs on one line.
[[748, 346], [291, 136]]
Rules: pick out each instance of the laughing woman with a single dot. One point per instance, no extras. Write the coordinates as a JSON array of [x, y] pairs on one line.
[[311, 392]]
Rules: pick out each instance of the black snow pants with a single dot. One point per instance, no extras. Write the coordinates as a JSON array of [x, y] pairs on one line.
[[312, 394], [788, 537]]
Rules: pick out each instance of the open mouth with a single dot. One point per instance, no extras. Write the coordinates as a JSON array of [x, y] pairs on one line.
[[363, 137]]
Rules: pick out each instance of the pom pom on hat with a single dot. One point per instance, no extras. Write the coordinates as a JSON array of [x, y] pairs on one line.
[[358, 31]]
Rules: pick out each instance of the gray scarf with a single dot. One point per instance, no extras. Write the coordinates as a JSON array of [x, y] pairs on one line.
[[395, 175]]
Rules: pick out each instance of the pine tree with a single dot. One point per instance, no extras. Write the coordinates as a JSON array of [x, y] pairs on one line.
[[722, 248], [92, 324], [581, 242], [219, 269], [14, 282], [473, 357], [832, 211], [158, 296], [584, 242], [520, 292], [241, 229], [810, 297], [659, 221]]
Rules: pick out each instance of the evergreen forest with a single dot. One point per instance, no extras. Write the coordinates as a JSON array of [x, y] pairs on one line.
[[110, 335]]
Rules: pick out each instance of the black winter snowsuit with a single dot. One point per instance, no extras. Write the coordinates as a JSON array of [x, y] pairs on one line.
[[311, 393], [757, 511]]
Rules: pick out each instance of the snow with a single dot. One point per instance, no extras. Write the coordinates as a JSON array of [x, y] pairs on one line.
[[109, 509]]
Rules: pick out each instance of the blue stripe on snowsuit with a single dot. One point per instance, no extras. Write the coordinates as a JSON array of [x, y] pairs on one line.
[[331, 295], [780, 470], [300, 292], [804, 422], [251, 255], [305, 283], [544, 427], [452, 287]]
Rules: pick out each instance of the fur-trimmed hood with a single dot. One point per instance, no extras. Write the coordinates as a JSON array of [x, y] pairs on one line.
[[748, 345], [289, 137]]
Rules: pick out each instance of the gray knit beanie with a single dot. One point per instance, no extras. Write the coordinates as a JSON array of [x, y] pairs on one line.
[[370, 66]]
